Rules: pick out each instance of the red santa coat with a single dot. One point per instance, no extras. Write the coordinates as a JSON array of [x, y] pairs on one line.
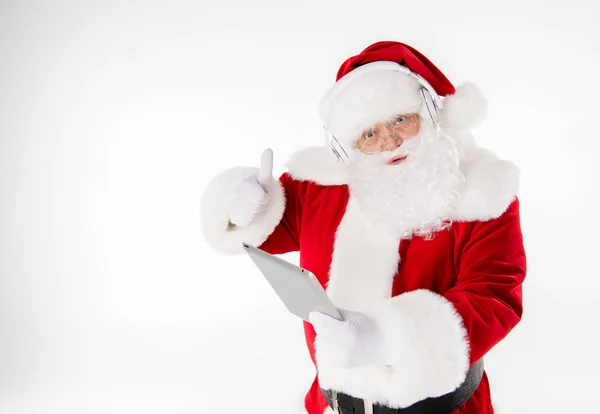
[[443, 302]]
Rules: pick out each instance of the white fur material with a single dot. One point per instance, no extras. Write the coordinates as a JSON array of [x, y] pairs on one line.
[[317, 164], [214, 212], [490, 183], [463, 110], [354, 282], [430, 343], [373, 97]]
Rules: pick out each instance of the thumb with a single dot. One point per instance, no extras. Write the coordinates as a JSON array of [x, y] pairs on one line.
[[265, 176]]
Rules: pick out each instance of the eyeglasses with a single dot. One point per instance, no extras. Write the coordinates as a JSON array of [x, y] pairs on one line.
[[378, 138]]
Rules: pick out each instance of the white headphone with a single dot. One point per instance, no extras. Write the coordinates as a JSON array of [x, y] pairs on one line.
[[432, 100]]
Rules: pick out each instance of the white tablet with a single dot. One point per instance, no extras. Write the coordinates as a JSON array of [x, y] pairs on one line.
[[298, 289]]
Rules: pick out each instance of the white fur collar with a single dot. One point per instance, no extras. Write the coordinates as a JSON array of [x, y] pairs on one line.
[[317, 164], [491, 184]]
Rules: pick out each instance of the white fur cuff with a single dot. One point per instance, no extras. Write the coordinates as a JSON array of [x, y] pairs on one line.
[[426, 344], [215, 206], [426, 350]]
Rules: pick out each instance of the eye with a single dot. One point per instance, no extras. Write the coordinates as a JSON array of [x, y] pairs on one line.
[[369, 135], [400, 119]]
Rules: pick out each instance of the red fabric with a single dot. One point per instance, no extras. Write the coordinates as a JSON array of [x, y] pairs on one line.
[[400, 53], [478, 266]]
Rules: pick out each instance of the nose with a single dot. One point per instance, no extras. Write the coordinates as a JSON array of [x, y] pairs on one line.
[[392, 141], [387, 130]]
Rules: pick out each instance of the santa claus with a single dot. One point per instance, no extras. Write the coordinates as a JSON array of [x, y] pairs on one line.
[[412, 229]]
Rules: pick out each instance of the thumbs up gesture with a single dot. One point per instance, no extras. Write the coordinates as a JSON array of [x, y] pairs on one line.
[[250, 197]]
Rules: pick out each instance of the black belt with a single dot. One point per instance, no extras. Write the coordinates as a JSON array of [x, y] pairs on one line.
[[444, 404]]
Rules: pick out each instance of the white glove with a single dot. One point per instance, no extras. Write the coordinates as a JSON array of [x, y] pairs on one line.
[[354, 342], [250, 197]]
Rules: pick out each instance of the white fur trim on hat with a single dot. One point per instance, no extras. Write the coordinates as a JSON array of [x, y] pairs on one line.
[[370, 94], [215, 218], [463, 110]]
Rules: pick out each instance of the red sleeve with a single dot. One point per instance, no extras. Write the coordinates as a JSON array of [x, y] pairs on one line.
[[488, 292], [285, 238]]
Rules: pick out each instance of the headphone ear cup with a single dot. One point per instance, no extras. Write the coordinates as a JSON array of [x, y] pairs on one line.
[[430, 105]]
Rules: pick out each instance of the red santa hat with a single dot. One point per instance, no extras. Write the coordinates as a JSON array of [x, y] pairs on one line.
[[388, 78]]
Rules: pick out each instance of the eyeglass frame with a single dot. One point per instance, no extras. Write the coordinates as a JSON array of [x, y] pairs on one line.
[[413, 118]]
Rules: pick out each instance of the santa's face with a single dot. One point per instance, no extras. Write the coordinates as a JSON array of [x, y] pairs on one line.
[[408, 179], [388, 135]]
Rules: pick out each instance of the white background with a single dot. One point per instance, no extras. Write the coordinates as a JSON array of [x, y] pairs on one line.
[[115, 114]]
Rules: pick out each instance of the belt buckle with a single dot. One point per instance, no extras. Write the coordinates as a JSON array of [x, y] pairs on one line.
[[336, 409], [368, 406], [334, 398]]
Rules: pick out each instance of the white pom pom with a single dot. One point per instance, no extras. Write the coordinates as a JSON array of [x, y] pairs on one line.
[[464, 109]]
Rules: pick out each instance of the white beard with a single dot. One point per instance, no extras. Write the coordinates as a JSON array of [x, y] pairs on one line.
[[414, 197]]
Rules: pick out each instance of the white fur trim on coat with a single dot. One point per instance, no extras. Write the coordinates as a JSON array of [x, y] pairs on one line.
[[317, 164], [427, 337], [491, 183], [215, 219]]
